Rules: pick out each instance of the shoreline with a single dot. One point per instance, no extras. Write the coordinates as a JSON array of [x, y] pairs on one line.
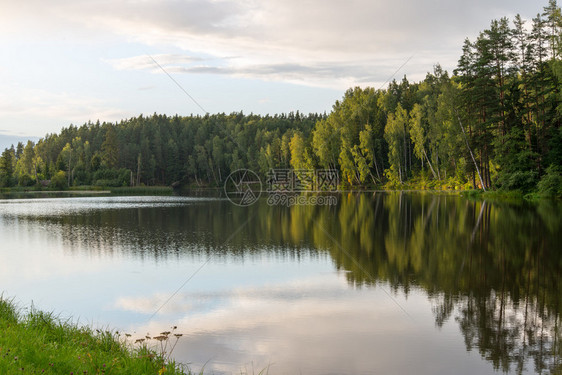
[[496, 195], [35, 341]]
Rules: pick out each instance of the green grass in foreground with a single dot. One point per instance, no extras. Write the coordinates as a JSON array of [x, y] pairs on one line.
[[40, 343]]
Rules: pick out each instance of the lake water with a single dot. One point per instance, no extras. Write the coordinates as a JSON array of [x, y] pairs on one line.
[[377, 284]]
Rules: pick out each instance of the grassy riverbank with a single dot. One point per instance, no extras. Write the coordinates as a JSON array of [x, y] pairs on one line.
[[36, 342], [513, 196], [142, 190], [36, 192], [415, 186]]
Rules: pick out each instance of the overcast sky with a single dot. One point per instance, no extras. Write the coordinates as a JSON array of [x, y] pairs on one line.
[[64, 62]]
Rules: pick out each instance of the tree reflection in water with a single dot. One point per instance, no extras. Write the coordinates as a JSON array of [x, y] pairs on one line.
[[494, 268]]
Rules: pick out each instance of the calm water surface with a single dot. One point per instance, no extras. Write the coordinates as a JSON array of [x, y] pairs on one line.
[[379, 284]]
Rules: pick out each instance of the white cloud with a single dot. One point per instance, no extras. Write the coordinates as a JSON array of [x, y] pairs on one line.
[[323, 74], [147, 305], [302, 320], [323, 43], [37, 103], [57, 56], [148, 61]]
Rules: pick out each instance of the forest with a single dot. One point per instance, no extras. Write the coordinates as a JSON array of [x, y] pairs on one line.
[[494, 123]]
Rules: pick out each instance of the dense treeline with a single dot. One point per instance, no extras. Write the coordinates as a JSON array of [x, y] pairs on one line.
[[495, 123], [156, 150]]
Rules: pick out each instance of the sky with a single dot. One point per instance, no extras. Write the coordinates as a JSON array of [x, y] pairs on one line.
[[65, 63]]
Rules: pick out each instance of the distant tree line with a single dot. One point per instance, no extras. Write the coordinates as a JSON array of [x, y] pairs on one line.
[[156, 150], [495, 123]]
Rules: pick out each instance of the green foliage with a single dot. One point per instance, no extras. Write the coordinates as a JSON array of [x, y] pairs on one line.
[[25, 180], [395, 135], [112, 177], [7, 161], [368, 146], [551, 183], [61, 164], [161, 150], [518, 168], [95, 163], [300, 154], [110, 148], [81, 175], [392, 178], [59, 181]]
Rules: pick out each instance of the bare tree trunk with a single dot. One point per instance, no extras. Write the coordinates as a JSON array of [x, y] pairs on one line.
[[69, 161], [410, 153], [429, 163], [376, 166], [470, 150], [35, 172], [405, 156], [437, 161], [138, 169], [373, 178]]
